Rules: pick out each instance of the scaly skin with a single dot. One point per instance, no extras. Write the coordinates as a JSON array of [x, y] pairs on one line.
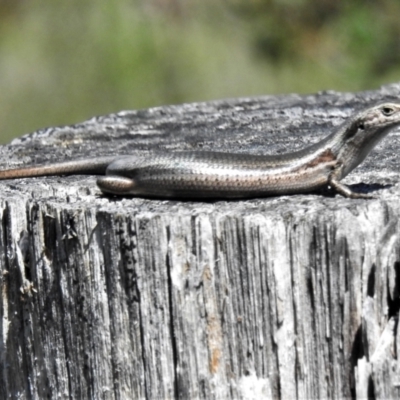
[[201, 175]]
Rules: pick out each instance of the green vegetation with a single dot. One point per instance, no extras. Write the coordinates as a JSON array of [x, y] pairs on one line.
[[63, 62]]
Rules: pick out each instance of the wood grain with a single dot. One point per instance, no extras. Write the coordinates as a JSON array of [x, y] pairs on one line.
[[285, 297]]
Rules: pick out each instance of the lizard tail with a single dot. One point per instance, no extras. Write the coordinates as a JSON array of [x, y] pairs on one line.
[[95, 166]]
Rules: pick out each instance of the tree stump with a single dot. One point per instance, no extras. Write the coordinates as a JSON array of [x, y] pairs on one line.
[[282, 297]]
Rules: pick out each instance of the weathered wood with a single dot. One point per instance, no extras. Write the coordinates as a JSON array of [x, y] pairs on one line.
[[285, 297]]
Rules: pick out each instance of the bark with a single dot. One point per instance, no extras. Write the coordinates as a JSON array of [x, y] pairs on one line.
[[281, 297]]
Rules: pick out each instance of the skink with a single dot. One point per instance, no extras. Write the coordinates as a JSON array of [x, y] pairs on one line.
[[212, 175]]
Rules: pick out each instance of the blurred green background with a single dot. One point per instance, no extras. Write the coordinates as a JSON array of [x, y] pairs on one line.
[[65, 61]]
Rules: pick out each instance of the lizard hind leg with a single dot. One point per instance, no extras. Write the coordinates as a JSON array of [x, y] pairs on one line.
[[117, 185]]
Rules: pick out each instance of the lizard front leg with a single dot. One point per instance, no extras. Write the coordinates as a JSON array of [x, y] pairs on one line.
[[341, 188]]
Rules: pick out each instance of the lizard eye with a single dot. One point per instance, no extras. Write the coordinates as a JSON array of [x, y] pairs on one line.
[[387, 111], [361, 126]]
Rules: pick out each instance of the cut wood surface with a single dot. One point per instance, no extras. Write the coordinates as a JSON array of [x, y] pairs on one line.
[[291, 297]]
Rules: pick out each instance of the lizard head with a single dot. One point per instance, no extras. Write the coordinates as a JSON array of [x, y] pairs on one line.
[[379, 118], [365, 130], [373, 123]]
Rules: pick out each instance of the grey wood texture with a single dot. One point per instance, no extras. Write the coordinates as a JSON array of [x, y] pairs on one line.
[[288, 297]]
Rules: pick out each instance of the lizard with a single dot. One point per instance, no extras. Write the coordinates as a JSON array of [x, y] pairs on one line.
[[218, 175]]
